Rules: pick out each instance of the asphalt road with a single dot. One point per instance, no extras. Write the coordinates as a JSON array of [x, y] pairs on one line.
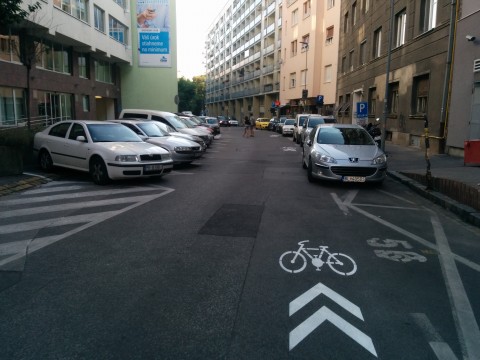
[[198, 265]]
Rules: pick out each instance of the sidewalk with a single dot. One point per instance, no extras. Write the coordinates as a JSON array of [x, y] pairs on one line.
[[454, 186]]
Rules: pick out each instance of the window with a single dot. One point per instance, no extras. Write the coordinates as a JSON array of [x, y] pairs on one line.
[[293, 48], [344, 64], [372, 101], [304, 42], [350, 61], [76, 8], [328, 73], [86, 103], [99, 18], [12, 106], [354, 14], [9, 44], [304, 77], [307, 6], [293, 80], [294, 17], [330, 4], [428, 14], [400, 26], [393, 98], [365, 6], [363, 53], [103, 71], [345, 23], [82, 66], [421, 86], [329, 36], [121, 3], [117, 30], [55, 106], [377, 43], [53, 57]]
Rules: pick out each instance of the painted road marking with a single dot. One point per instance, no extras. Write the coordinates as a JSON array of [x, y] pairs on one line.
[[325, 314], [289, 148], [441, 349], [19, 248]]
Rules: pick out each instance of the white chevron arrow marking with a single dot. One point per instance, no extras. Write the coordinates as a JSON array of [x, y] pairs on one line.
[[323, 314]]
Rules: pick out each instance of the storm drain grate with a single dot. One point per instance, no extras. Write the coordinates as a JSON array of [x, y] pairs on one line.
[[234, 220]]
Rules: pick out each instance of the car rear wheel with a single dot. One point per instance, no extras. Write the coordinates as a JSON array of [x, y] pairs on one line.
[[98, 171], [45, 160]]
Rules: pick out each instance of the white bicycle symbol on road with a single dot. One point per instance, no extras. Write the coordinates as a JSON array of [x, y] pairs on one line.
[[295, 261]]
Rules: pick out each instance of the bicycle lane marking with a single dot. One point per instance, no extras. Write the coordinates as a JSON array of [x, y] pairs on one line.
[[464, 317]]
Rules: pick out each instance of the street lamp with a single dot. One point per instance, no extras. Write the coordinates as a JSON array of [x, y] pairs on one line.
[[305, 91]]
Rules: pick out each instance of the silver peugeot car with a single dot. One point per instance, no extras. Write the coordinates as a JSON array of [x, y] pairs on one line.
[[343, 152]]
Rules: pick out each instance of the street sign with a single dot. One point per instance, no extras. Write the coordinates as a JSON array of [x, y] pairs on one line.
[[362, 109], [304, 93]]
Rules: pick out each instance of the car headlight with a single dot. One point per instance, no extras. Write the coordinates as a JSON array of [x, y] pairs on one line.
[[127, 158], [379, 160], [182, 148], [326, 159], [167, 157]]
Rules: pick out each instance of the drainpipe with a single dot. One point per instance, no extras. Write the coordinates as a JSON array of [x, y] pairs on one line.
[[448, 71]]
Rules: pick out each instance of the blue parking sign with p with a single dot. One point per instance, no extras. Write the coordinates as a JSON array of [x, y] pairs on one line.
[[362, 109]]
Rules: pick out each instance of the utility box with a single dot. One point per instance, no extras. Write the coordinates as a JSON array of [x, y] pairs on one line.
[[471, 151]]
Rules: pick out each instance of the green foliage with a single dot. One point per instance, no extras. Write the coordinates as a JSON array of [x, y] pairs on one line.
[[192, 94], [12, 12]]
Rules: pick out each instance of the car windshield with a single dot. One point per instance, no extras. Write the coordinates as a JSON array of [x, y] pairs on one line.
[[312, 122], [344, 136], [289, 122], [301, 120], [151, 130], [112, 133], [175, 121], [212, 121], [188, 123]]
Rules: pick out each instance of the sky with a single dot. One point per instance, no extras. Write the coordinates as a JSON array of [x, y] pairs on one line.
[[193, 21]]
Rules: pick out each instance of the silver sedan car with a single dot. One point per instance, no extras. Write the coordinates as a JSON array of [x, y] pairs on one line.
[[183, 151], [343, 152]]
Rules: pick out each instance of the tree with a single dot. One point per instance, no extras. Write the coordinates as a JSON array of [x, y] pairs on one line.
[[12, 13], [192, 94]]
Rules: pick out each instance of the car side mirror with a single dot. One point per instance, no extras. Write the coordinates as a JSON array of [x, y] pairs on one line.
[[309, 142], [81, 138]]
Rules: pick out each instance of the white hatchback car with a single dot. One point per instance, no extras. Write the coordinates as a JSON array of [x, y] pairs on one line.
[[104, 149], [288, 127]]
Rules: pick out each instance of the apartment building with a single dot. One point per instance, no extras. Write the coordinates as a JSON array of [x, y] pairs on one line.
[[417, 60], [243, 52], [71, 58], [463, 121], [309, 56]]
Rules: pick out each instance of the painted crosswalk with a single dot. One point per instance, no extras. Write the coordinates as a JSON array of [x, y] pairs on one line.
[[31, 220]]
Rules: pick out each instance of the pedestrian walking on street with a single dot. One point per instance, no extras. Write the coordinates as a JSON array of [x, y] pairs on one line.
[[246, 132], [252, 125]]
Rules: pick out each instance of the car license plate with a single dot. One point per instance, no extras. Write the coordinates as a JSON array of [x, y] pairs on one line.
[[353, 179], [153, 167]]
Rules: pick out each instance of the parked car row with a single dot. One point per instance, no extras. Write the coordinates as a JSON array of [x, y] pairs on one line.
[[142, 143]]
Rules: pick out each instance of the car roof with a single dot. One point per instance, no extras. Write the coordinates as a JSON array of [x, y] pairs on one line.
[[341, 126]]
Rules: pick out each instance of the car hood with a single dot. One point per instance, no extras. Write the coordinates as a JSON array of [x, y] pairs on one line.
[[344, 152], [129, 148], [171, 141], [190, 131]]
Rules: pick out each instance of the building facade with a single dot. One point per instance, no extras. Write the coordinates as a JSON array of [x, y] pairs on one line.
[[463, 121], [243, 52], [416, 57], [73, 59], [309, 56]]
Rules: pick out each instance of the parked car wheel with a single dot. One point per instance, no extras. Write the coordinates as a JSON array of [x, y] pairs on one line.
[[309, 171], [45, 160], [98, 171]]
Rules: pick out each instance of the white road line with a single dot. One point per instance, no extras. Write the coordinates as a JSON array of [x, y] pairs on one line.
[[76, 195], [396, 196], [39, 243], [441, 349], [467, 327], [71, 206], [414, 237], [388, 207]]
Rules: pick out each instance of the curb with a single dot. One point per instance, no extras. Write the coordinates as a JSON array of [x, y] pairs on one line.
[[30, 181], [465, 212]]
